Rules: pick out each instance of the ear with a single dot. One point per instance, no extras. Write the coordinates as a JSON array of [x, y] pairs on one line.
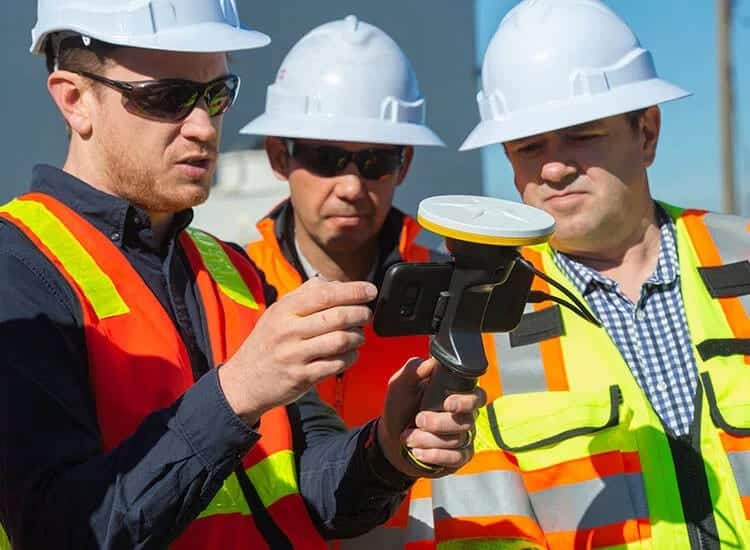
[[278, 157], [404, 170], [68, 91], [650, 127]]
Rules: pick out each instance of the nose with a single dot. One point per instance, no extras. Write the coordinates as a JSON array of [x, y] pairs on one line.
[[559, 172], [349, 184], [199, 126]]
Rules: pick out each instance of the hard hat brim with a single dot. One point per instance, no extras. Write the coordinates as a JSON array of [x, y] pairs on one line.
[[558, 115], [328, 128], [209, 37]]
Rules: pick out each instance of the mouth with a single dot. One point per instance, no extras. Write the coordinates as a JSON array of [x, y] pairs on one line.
[[349, 216], [346, 219], [197, 162], [563, 196], [196, 168]]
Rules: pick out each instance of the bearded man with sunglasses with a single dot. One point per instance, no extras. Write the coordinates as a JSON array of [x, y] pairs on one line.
[[341, 123], [137, 412]]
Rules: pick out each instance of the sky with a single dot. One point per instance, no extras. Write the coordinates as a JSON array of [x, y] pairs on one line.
[[681, 36]]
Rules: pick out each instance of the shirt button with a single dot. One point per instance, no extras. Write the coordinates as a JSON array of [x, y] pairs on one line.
[[661, 386], [115, 236], [137, 220], [640, 315]]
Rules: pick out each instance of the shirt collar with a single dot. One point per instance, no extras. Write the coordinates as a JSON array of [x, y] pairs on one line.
[[586, 279], [124, 223]]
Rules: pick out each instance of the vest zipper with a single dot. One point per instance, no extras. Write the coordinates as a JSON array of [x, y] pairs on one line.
[[695, 496]]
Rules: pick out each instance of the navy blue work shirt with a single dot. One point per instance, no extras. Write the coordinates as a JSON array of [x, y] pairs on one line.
[[58, 489]]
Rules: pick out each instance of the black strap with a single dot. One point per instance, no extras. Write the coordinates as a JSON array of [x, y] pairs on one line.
[[723, 347], [271, 532], [692, 480], [727, 281], [537, 326]]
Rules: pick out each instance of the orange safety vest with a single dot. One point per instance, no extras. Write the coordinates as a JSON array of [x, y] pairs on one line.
[[572, 455], [358, 395], [138, 362]]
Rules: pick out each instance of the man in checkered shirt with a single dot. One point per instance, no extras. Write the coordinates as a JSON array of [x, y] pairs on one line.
[[636, 431]]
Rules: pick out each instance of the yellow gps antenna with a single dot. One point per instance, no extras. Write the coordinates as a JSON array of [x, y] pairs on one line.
[[483, 235]]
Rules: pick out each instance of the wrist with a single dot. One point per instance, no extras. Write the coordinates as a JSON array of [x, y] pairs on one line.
[[237, 396], [389, 447]]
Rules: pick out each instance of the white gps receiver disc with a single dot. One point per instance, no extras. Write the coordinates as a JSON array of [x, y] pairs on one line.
[[485, 220]]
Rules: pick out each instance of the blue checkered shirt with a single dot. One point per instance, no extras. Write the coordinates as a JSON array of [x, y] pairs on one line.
[[652, 335]]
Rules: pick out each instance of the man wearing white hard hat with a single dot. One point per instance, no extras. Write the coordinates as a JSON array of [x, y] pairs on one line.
[[634, 433], [137, 412], [341, 123]]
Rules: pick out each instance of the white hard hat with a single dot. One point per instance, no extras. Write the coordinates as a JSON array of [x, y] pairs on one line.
[[558, 63], [346, 81], [172, 25]]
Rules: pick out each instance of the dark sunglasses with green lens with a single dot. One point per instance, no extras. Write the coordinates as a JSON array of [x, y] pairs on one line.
[[173, 99]]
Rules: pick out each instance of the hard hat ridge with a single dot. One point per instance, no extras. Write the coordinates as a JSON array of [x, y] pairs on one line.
[[558, 63]]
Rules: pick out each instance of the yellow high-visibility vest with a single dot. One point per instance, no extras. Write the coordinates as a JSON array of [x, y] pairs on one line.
[[572, 455]]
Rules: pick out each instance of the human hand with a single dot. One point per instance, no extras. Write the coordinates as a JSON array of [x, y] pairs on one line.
[[309, 334], [441, 439]]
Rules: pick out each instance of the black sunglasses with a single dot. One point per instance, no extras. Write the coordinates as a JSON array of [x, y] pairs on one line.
[[173, 99], [328, 161]]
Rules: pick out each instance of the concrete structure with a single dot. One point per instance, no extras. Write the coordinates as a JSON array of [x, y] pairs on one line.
[[245, 190]]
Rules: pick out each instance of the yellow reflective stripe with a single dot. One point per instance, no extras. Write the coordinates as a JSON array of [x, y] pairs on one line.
[[229, 500], [98, 288], [491, 544], [222, 269], [273, 478], [4, 542]]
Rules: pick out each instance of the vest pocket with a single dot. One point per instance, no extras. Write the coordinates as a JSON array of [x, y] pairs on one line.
[[579, 463], [727, 396]]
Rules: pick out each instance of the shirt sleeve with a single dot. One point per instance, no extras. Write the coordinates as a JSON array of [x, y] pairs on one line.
[[58, 489], [347, 484]]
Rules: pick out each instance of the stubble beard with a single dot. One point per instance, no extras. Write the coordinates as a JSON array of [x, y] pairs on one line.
[[139, 186]]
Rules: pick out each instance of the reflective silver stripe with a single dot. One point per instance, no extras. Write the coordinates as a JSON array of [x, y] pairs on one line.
[[467, 495], [521, 368], [591, 504], [421, 523], [379, 538], [730, 236], [439, 256], [740, 461]]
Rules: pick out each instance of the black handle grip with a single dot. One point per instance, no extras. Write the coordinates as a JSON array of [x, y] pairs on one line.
[[444, 382]]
